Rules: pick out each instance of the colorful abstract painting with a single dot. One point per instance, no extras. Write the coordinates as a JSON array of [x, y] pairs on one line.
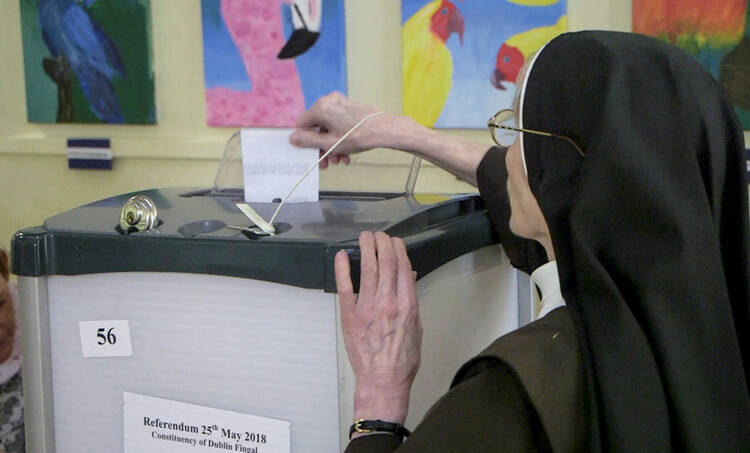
[[461, 58], [716, 32], [88, 61], [267, 61]]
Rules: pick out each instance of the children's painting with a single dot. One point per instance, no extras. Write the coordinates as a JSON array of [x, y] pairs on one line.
[[88, 61], [461, 58], [267, 61], [716, 32]]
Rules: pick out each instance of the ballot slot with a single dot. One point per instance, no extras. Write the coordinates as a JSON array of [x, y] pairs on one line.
[[237, 194], [255, 233]]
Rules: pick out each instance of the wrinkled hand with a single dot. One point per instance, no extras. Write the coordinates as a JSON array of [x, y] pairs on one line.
[[381, 328], [329, 119]]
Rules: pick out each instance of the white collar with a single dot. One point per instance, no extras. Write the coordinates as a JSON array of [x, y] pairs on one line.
[[548, 281]]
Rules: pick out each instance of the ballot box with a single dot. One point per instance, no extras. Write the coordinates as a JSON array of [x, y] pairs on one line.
[[197, 310]]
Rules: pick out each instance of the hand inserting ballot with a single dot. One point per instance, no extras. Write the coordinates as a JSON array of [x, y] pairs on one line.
[[381, 327], [329, 119]]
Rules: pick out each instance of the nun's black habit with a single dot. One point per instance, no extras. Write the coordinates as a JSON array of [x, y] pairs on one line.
[[650, 230]]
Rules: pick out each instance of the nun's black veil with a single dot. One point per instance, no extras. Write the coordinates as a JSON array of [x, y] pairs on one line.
[[650, 231]]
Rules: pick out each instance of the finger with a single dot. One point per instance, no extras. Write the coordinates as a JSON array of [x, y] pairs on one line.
[[337, 96], [347, 160], [333, 159], [314, 116], [387, 265], [308, 138], [368, 279], [344, 283], [405, 284], [324, 163]]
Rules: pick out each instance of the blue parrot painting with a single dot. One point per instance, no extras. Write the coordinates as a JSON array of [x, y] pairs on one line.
[[78, 45]]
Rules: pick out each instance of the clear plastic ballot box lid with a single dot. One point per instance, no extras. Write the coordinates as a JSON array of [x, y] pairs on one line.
[[192, 233]]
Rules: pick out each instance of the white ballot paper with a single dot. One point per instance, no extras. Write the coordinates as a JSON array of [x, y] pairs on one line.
[[156, 425], [272, 166]]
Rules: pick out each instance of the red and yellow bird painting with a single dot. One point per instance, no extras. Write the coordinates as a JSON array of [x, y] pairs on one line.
[[427, 62], [515, 51], [453, 76]]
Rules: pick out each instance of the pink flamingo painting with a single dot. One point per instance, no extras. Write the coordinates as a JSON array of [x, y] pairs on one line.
[[276, 97]]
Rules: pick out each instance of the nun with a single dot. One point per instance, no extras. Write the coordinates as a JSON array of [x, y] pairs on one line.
[[623, 191]]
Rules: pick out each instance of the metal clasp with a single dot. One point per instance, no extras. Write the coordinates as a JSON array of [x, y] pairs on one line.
[[358, 426]]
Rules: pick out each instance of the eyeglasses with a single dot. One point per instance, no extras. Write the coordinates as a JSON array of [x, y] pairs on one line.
[[504, 131]]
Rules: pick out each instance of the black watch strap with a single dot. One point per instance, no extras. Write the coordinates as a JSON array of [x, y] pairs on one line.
[[371, 426]]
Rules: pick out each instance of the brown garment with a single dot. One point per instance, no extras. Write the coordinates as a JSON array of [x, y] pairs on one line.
[[523, 393]]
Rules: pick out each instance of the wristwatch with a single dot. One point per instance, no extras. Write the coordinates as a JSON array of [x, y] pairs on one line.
[[370, 426]]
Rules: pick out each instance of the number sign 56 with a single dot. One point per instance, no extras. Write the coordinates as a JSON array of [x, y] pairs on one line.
[[105, 338]]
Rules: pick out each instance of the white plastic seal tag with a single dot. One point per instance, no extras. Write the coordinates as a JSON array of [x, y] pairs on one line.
[[256, 218]]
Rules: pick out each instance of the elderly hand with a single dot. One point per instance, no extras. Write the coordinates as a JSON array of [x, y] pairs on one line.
[[381, 328], [332, 117]]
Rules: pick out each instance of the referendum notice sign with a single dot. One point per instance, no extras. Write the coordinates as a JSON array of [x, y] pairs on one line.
[[156, 425]]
